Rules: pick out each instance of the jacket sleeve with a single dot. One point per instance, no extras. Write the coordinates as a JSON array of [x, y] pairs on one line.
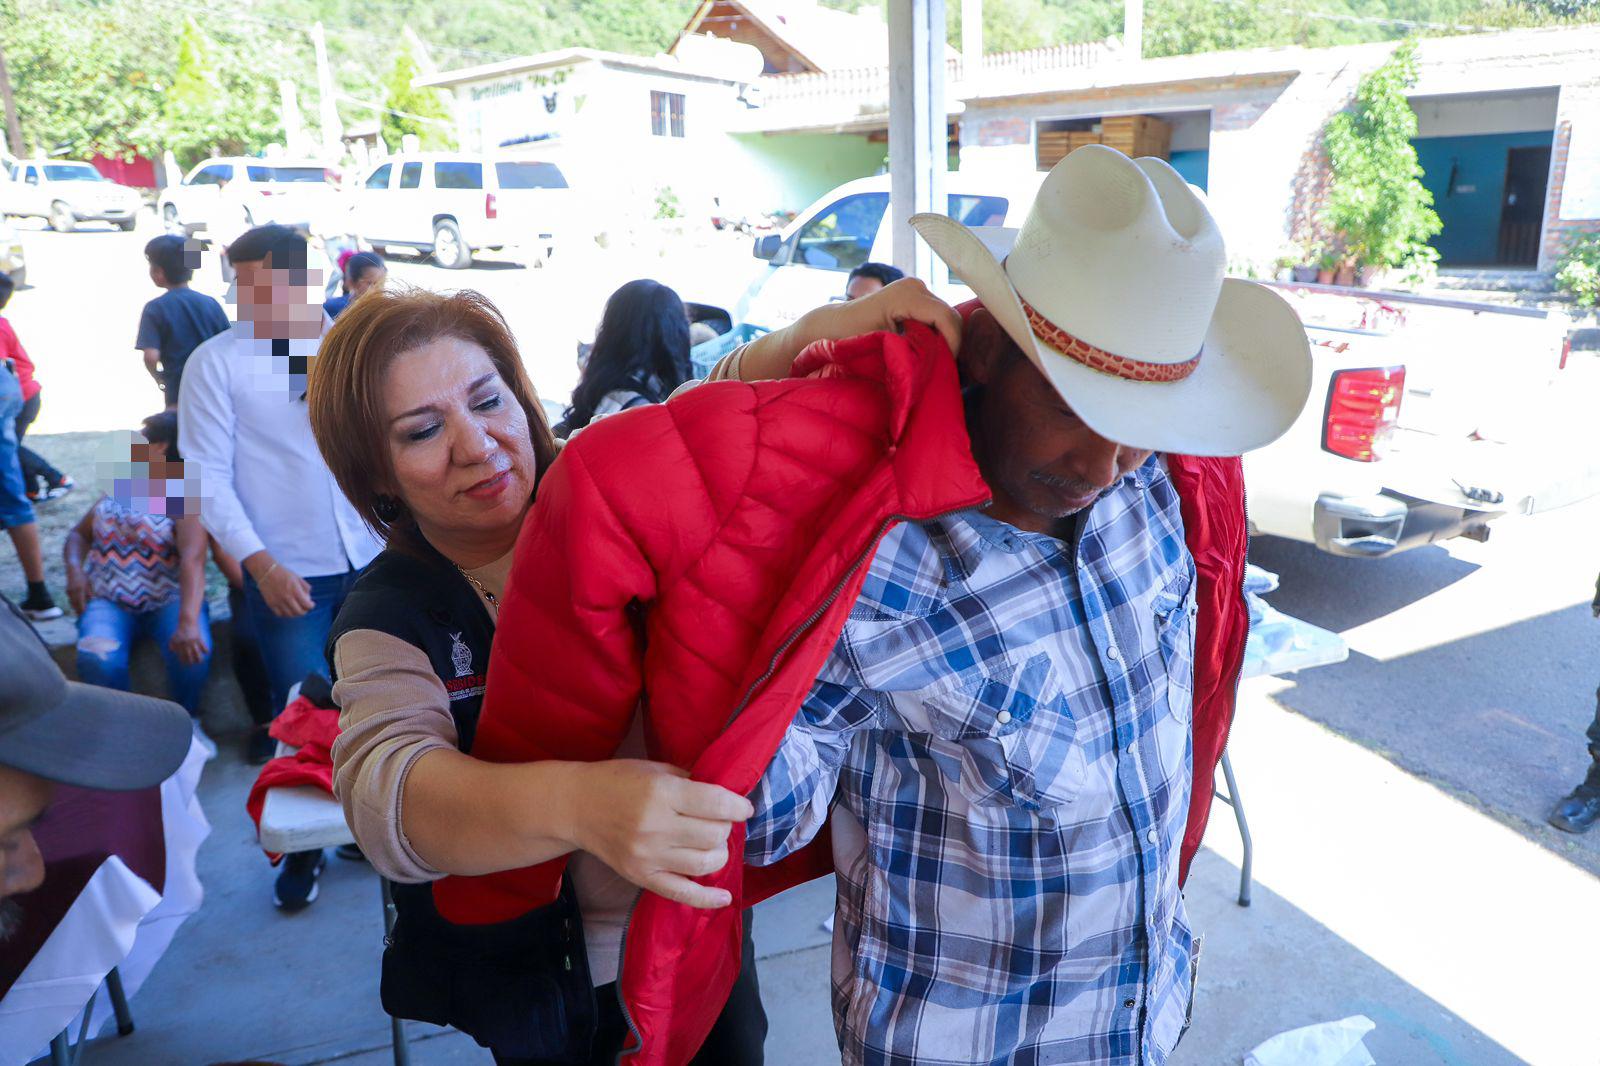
[[566, 670]]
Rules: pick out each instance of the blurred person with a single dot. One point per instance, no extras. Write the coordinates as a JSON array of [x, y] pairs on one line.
[[1580, 810], [136, 570], [423, 411], [270, 501], [54, 731], [178, 321], [40, 480], [362, 271], [640, 354], [868, 278], [16, 510]]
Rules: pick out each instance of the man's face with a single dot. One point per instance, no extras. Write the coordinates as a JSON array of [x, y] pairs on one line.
[[1041, 460], [859, 287], [279, 301], [23, 798]]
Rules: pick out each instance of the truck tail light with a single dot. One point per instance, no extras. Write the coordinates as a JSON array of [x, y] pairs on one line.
[[1363, 407], [1566, 350], [489, 209]]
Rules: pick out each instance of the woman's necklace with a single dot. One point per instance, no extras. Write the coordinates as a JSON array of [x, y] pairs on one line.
[[488, 597]]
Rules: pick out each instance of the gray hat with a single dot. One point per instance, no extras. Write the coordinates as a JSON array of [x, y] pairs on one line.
[[80, 734]]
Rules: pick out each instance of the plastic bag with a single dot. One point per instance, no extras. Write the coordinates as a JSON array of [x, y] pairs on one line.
[[1325, 1044]]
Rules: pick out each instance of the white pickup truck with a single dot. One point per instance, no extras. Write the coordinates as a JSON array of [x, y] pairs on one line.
[[1428, 418], [66, 193]]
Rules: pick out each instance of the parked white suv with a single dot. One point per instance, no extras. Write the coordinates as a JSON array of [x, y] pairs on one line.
[[256, 192], [67, 193], [810, 260], [454, 205]]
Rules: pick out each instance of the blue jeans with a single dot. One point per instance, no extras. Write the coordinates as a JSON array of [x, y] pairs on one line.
[[15, 509], [294, 647], [106, 635]]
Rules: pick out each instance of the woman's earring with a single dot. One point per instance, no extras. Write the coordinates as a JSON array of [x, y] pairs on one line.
[[388, 509]]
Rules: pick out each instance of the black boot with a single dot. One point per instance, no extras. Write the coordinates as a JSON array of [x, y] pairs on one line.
[[1581, 810]]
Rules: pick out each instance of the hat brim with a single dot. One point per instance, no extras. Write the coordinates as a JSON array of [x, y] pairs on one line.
[[101, 738], [1251, 384]]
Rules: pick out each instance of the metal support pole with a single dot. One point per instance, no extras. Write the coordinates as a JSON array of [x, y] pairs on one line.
[[1248, 859], [919, 140], [119, 1002], [397, 1028]]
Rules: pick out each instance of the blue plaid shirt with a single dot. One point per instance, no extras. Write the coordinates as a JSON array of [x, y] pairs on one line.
[[1004, 726]]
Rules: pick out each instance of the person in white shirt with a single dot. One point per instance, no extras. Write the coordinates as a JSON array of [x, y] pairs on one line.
[[266, 494]]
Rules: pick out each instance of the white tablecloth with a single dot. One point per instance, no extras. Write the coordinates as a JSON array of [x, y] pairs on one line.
[[119, 921]]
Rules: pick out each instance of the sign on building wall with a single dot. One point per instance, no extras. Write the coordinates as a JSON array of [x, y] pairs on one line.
[[1580, 193]]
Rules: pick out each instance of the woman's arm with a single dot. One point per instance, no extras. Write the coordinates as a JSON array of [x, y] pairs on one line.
[[187, 643], [420, 809], [72, 553], [769, 356]]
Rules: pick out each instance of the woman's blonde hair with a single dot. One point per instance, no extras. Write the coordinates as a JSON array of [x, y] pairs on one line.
[[345, 389]]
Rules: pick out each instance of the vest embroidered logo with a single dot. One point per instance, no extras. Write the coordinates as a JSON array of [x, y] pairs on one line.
[[460, 656]]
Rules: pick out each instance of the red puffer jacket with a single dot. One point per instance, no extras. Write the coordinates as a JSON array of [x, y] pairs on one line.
[[702, 556]]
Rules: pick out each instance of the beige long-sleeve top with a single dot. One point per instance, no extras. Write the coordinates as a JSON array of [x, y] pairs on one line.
[[393, 710]]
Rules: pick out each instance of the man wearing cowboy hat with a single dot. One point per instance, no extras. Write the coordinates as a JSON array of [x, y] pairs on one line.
[[57, 731], [1028, 696]]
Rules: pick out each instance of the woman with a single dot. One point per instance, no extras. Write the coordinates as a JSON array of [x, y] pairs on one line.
[[422, 409], [362, 272], [640, 354], [136, 568]]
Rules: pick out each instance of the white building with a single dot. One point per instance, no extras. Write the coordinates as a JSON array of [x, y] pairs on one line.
[[767, 105]]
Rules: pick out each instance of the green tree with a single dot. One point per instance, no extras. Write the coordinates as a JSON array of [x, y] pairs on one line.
[[1376, 200], [411, 109]]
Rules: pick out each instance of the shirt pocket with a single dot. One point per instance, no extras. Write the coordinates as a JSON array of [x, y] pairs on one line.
[[1009, 727], [1175, 610]]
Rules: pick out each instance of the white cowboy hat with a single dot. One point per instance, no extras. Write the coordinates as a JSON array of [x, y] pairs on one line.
[[1114, 288]]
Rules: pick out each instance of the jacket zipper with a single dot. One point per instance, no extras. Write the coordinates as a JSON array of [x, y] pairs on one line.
[[739, 708]]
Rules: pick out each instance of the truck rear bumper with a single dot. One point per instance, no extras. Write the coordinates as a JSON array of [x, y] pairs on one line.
[[1370, 527]]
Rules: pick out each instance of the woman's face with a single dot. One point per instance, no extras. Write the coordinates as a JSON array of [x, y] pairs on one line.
[[372, 279], [458, 441]]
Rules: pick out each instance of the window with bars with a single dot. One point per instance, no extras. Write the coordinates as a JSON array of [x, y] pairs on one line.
[[666, 114]]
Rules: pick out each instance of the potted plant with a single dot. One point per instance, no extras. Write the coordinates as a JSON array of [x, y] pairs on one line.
[[1305, 267], [1327, 265], [1376, 201]]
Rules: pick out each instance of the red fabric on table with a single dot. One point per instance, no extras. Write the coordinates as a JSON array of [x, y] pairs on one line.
[[312, 730], [79, 831]]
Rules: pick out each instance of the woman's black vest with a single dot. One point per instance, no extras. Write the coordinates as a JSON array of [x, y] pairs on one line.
[[520, 988]]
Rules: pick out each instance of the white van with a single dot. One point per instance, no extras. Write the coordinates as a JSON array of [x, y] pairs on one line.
[[454, 205], [244, 191], [809, 261]]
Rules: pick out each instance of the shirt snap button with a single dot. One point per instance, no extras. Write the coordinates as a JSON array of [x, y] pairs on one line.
[[1152, 836], [1127, 1004], [1113, 653], [1003, 717]]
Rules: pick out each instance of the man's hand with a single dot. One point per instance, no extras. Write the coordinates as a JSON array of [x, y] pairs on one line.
[[887, 309], [187, 643], [655, 827], [286, 592], [77, 590]]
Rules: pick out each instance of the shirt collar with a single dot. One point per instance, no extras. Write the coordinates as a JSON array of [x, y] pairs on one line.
[[965, 537]]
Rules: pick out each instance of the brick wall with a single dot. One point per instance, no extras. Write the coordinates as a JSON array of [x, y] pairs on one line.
[[1578, 105]]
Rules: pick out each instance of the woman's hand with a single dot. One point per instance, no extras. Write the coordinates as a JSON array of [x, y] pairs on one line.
[[908, 300], [889, 308], [655, 827], [187, 643], [77, 589]]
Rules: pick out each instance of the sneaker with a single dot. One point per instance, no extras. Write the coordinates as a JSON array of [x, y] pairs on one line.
[[259, 747], [296, 887], [350, 852], [41, 607], [60, 488]]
